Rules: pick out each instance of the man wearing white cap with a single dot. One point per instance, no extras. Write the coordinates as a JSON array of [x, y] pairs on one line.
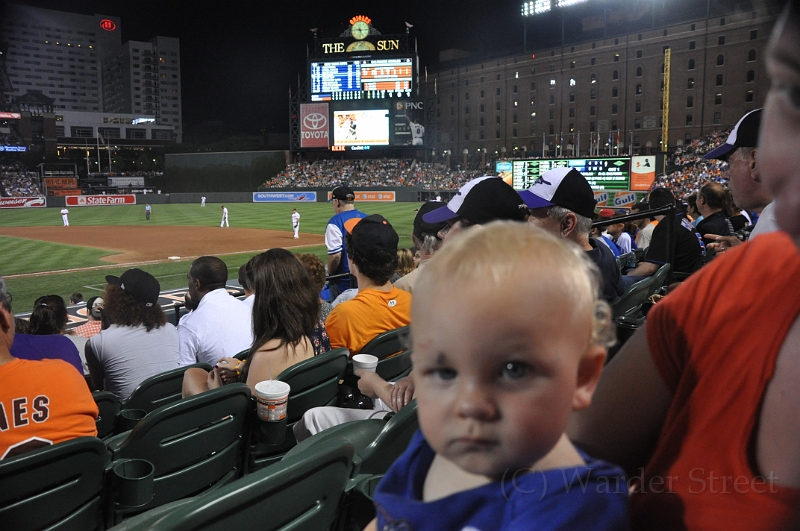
[[744, 178]]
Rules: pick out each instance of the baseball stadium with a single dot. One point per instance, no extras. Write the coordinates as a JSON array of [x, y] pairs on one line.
[[206, 286]]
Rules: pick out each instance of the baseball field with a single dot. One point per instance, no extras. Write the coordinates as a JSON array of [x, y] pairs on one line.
[[40, 256]]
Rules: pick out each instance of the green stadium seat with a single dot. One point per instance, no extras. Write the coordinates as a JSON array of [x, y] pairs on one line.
[[56, 487], [633, 297], [108, 404], [378, 443], [394, 367], [314, 382], [195, 444], [387, 344], [659, 278], [300, 493], [159, 390]]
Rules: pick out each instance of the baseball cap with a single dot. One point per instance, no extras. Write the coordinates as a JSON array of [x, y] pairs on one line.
[[343, 193], [564, 187], [139, 284], [373, 233], [606, 213], [421, 227], [744, 134], [94, 305], [481, 200]]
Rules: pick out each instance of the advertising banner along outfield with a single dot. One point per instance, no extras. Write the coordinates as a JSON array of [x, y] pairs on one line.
[[22, 202], [101, 200], [284, 197], [60, 182], [372, 196], [314, 125]]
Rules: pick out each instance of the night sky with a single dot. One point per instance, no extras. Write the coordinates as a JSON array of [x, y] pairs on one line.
[[239, 58]]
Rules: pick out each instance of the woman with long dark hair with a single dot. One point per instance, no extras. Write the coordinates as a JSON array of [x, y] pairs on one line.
[[285, 312], [43, 338]]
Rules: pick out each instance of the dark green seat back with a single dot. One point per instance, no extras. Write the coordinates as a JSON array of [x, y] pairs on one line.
[[194, 444], [300, 494], [388, 343], [108, 404], [394, 367], [159, 390], [634, 296], [314, 382], [58, 487], [390, 442], [659, 277]]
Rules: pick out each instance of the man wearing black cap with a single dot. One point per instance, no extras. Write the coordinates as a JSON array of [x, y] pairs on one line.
[[139, 342], [480, 201], [689, 247], [744, 178], [345, 217], [426, 239], [379, 306], [562, 202]]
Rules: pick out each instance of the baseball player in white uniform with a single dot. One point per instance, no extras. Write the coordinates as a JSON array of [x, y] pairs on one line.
[[64, 216], [224, 222], [203, 201], [296, 223]]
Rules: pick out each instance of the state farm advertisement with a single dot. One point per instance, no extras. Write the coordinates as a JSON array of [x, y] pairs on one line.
[[314, 125], [101, 200], [22, 202]]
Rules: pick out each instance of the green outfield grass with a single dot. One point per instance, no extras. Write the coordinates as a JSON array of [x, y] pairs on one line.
[[21, 255]]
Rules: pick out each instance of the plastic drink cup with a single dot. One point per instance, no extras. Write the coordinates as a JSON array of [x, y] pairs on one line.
[[365, 362], [272, 397]]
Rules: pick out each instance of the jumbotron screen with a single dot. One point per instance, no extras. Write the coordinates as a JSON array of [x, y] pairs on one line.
[[362, 79], [361, 128], [612, 173]]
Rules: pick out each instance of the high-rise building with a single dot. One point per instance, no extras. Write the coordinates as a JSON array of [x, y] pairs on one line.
[[81, 63]]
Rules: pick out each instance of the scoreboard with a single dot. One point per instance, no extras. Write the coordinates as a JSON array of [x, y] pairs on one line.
[[361, 79], [607, 173]]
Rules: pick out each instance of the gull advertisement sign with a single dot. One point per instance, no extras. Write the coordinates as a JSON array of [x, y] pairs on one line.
[[314, 125]]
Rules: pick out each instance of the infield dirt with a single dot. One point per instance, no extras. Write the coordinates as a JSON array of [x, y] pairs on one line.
[[130, 244]]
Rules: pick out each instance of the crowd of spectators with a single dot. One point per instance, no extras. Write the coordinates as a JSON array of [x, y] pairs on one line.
[[687, 170], [374, 172], [18, 182]]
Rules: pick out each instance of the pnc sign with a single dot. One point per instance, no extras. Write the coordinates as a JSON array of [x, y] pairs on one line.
[[314, 125]]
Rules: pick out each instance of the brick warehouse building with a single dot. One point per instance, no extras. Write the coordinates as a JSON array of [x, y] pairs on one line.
[[607, 89]]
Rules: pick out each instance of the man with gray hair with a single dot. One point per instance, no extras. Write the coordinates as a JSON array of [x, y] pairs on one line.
[[426, 240], [744, 179], [561, 201]]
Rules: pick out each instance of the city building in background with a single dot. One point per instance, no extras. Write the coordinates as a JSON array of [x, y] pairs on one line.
[[66, 78], [599, 94]]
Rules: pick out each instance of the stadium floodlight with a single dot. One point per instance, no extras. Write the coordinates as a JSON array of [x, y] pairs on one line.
[[565, 3], [535, 7]]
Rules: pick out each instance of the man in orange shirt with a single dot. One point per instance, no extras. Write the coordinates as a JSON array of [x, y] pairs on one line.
[[379, 306], [41, 402]]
